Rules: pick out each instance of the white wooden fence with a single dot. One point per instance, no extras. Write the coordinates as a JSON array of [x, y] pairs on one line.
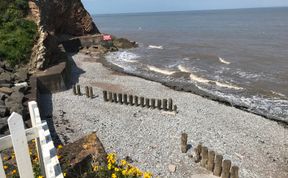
[[18, 139]]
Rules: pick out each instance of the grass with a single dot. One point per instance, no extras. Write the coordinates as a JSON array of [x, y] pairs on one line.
[[17, 34]]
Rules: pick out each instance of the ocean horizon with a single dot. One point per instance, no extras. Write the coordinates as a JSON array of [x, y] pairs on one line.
[[237, 55]]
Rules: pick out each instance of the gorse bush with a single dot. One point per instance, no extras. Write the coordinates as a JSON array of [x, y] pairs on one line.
[[17, 35]]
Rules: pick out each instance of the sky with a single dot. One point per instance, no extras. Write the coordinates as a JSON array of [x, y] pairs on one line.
[[130, 6]]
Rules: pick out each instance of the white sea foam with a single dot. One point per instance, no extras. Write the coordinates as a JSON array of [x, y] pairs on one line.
[[223, 61], [277, 93], [155, 47], [127, 56], [159, 70]]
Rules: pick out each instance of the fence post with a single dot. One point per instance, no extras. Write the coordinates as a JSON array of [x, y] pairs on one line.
[[136, 100], [2, 172], [74, 90], [175, 108], [198, 153], [79, 90], [131, 100], [120, 98], [125, 99], [226, 165], [91, 92], [184, 137], [105, 98], [218, 165], [147, 102], [153, 106], [170, 104], [87, 91], [234, 172], [165, 104], [159, 104], [142, 102], [211, 158], [110, 97], [204, 155], [115, 97], [20, 146]]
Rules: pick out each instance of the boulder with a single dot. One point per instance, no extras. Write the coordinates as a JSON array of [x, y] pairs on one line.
[[124, 43], [7, 77], [21, 75], [82, 155], [6, 90], [3, 111], [14, 102], [3, 125]]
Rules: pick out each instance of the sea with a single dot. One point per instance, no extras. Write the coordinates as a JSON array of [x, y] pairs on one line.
[[238, 56]]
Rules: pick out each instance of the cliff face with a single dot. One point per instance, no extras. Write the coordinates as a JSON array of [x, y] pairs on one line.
[[55, 18]]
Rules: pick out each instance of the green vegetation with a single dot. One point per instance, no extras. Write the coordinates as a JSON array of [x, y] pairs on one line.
[[17, 34]]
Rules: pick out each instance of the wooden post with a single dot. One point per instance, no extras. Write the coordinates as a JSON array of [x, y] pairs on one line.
[[234, 172], [125, 99], [120, 98], [131, 100], [170, 104], [136, 101], [184, 147], [197, 150], [79, 90], [159, 105], [204, 155], [165, 104], [175, 108], [226, 165], [74, 90], [91, 92], [218, 165], [110, 96], [87, 91], [115, 97], [142, 104], [153, 104], [147, 102], [211, 158], [105, 97]]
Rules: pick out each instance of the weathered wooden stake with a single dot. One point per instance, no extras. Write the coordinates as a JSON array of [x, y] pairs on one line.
[[125, 101], [105, 97], [79, 90], [110, 97], [153, 104], [115, 99], [131, 100], [211, 158], [142, 104], [74, 90], [234, 172], [197, 150], [120, 98], [170, 104], [147, 102], [218, 165], [175, 108], [87, 91], [184, 147], [91, 92], [136, 101], [226, 165], [165, 104], [159, 104], [204, 156]]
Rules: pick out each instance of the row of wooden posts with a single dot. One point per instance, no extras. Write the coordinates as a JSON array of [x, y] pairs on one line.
[[211, 161], [132, 100], [88, 91]]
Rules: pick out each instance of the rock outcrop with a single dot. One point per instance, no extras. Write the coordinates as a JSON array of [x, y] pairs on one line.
[[57, 18]]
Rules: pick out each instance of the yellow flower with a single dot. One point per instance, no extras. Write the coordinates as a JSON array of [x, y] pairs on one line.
[[5, 167], [124, 172], [64, 174], [109, 166], [147, 175], [95, 168], [123, 162], [59, 157], [113, 175], [116, 169], [40, 177], [59, 146], [14, 171]]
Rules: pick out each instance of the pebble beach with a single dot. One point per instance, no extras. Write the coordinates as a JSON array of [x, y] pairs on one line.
[[151, 138]]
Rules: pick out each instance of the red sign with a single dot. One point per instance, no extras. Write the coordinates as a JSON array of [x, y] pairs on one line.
[[107, 37]]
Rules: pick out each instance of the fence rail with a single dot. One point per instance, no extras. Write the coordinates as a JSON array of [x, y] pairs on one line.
[[19, 138]]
